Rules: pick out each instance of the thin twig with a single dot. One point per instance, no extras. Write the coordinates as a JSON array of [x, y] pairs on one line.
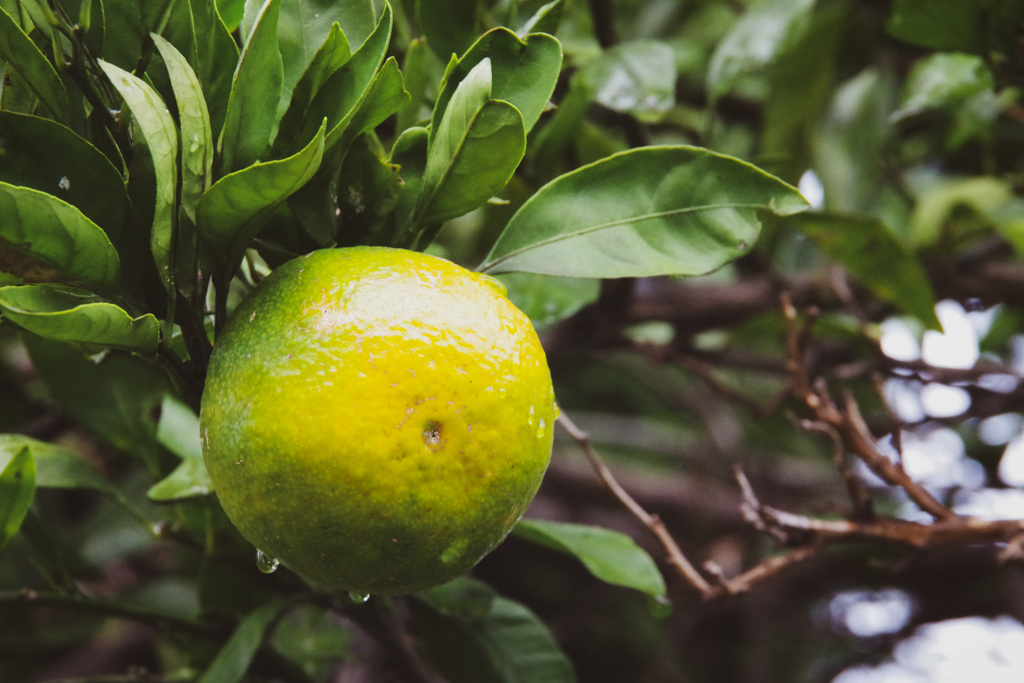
[[652, 522], [859, 496]]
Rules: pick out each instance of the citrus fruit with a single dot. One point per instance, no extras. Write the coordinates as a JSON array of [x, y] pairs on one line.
[[376, 419]]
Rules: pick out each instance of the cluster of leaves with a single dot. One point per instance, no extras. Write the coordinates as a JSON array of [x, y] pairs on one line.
[[158, 159]]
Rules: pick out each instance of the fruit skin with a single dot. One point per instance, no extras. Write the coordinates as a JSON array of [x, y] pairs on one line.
[[377, 419]]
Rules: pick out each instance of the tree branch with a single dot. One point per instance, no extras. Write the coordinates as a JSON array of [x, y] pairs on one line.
[[675, 555]]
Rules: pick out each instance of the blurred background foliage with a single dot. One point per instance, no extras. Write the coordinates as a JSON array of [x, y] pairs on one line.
[[900, 122]]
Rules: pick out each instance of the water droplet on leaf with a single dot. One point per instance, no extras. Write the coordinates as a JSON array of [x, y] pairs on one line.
[[358, 597], [265, 563]]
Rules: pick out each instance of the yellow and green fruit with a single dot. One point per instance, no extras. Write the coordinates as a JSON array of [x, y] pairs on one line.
[[377, 419]]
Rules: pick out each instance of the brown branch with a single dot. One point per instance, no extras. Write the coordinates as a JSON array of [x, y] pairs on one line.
[[675, 555], [863, 445]]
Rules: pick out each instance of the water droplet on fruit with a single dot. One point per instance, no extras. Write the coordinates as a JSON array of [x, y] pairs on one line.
[[265, 563], [358, 597]]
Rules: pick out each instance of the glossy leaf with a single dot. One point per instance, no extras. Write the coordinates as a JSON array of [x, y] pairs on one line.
[[17, 488], [234, 209], [44, 239], [234, 658], [476, 636], [609, 555], [637, 78], [762, 33], [474, 152], [648, 211], [523, 72], [161, 139], [252, 112], [70, 315], [194, 121], [39, 75], [46, 156], [56, 467]]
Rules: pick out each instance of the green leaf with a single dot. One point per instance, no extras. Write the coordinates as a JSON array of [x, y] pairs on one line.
[[647, 211], [188, 480], [637, 78], [22, 54], [232, 11], [477, 636], [764, 31], [132, 391], [545, 19], [873, 255], [252, 113], [331, 56], [546, 299], [45, 239], [476, 149], [194, 119], [385, 96], [304, 24], [419, 80], [851, 140], [234, 658], [56, 467], [609, 555], [17, 488], [936, 206], [939, 24], [215, 48], [178, 431], [449, 30], [71, 315], [46, 156], [345, 90], [368, 188], [232, 212], [123, 32], [161, 138], [523, 73], [941, 80]]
